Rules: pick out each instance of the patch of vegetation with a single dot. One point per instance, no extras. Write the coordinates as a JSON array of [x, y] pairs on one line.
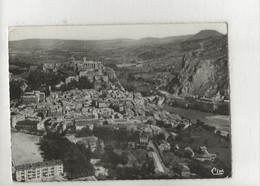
[[203, 135], [39, 78], [75, 157], [207, 127], [203, 169], [84, 132], [15, 90], [111, 157]]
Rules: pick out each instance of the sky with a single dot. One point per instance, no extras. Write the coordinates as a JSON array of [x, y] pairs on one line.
[[100, 32]]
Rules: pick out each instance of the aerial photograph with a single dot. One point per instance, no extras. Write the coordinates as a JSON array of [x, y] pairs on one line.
[[119, 102]]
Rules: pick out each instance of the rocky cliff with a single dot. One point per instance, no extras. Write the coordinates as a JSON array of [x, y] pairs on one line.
[[113, 81], [204, 70]]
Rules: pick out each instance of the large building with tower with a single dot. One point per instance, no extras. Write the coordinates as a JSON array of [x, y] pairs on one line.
[[33, 97], [92, 64], [87, 65]]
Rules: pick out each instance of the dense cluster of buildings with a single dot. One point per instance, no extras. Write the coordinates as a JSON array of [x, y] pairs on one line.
[[111, 114]]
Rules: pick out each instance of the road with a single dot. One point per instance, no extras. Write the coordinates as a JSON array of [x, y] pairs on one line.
[[158, 159]]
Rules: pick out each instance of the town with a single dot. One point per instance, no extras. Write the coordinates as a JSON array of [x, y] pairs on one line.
[[121, 134]]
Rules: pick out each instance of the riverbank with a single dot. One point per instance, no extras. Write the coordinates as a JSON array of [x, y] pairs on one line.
[[221, 122]]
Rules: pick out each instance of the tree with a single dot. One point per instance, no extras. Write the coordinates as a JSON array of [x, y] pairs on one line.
[[84, 132], [198, 168], [150, 166], [15, 90], [228, 137], [84, 83], [180, 127], [105, 122], [180, 153], [103, 94], [123, 158], [40, 114], [100, 149], [36, 79], [160, 123], [187, 153], [161, 136], [218, 132], [205, 142], [191, 140], [199, 122], [75, 157], [178, 138]]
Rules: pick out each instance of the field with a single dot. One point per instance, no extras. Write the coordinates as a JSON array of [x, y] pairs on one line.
[[25, 148]]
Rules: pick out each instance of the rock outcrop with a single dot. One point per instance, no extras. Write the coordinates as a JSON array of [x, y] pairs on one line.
[[204, 71], [112, 78]]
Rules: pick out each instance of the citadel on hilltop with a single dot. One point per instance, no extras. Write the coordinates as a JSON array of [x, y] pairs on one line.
[[92, 70], [77, 65]]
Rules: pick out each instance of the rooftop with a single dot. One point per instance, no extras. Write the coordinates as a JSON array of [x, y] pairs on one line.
[[38, 165]]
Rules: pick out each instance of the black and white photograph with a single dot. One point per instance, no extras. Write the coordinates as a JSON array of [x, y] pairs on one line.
[[120, 102]]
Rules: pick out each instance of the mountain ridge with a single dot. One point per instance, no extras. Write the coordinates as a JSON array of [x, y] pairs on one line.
[[205, 34], [43, 42]]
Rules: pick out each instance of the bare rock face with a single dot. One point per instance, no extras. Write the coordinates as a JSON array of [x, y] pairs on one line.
[[112, 78], [204, 71]]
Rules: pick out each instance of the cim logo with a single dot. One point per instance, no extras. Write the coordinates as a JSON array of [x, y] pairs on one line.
[[217, 172]]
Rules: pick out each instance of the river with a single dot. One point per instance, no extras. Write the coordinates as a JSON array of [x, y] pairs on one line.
[[221, 122], [125, 65]]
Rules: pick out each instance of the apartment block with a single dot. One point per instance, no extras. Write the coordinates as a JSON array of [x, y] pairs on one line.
[[40, 171]]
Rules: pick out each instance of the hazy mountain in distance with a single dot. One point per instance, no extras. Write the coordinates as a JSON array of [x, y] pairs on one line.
[[50, 44], [62, 44], [205, 34]]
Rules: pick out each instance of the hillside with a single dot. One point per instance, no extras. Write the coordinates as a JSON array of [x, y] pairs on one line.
[[205, 34], [115, 51], [204, 70], [118, 51], [184, 65], [57, 44]]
